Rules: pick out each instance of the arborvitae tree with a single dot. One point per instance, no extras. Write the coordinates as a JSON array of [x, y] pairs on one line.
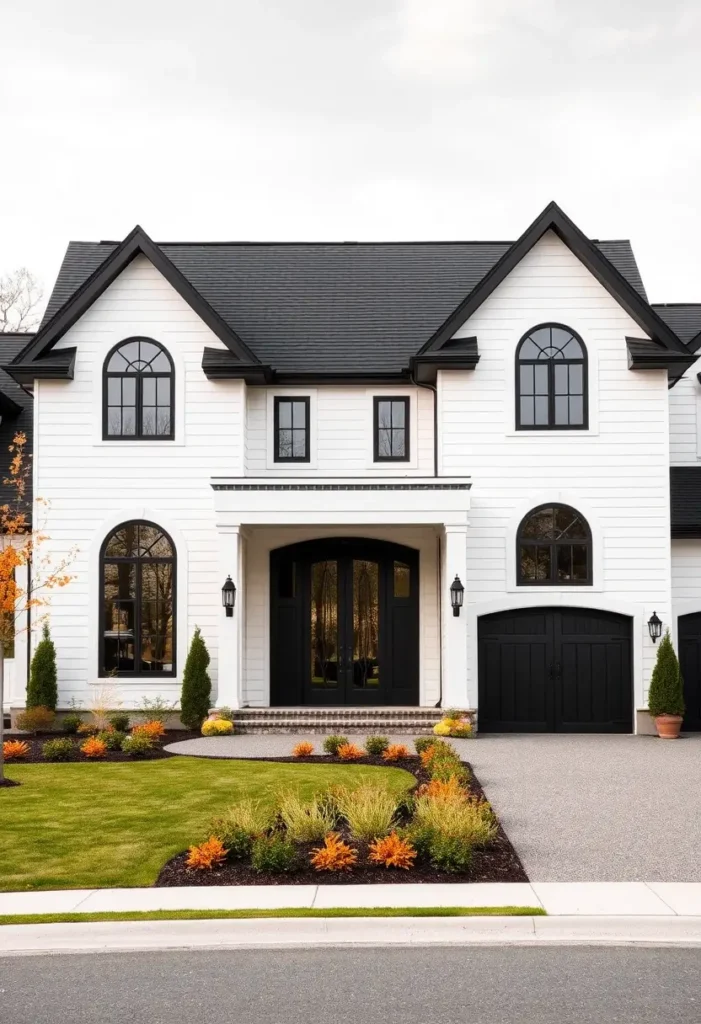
[[197, 686], [666, 694], [42, 689]]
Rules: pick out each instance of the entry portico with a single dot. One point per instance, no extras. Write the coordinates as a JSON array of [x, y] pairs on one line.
[[342, 591]]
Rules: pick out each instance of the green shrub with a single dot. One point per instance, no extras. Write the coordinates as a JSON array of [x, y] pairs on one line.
[[71, 722], [60, 749], [305, 820], [119, 722], [332, 743], [226, 713], [447, 829], [112, 739], [156, 709], [449, 853], [237, 828], [42, 689], [376, 745], [666, 694], [197, 686], [445, 768], [274, 854], [422, 743], [138, 745], [369, 810]]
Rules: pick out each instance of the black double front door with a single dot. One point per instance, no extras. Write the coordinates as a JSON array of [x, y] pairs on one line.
[[344, 624], [555, 670], [689, 632]]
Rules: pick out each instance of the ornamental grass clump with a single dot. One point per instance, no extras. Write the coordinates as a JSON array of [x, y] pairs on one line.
[[422, 743], [334, 855], [60, 749], [93, 748], [666, 694], [396, 752], [305, 821], [447, 829], [208, 855], [376, 745], [368, 809], [392, 852], [438, 789], [37, 719], [15, 750], [275, 854], [350, 752], [240, 825], [332, 743], [303, 749]]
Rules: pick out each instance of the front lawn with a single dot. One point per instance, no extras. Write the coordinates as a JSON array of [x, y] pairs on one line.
[[75, 826]]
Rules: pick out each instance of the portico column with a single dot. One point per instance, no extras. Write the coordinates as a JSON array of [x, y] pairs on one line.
[[229, 673], [454, 627]]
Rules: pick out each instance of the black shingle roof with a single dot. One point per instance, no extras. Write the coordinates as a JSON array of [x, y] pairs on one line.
[[10, 345], [683, 317], [685, 495], [328, 307]]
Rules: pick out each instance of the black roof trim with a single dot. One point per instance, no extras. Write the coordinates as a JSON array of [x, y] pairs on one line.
[[136, 243], [220, 365], [695, 344], [644, 354], [456, 354], [553, 218], [58, 364], [223, 364]]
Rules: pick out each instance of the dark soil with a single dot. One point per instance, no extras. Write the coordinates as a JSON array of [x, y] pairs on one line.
[[497, 863], [36, 745]]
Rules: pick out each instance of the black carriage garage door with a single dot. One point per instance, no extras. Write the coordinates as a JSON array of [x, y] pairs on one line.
[[689, 630], [555, 670]]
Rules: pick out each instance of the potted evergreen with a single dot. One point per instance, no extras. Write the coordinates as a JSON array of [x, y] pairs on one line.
[[665, 698]]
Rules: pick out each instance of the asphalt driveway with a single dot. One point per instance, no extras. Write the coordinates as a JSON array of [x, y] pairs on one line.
[[596, 808]]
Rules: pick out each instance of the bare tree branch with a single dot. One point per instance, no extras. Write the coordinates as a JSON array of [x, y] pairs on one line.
[[20, 297]]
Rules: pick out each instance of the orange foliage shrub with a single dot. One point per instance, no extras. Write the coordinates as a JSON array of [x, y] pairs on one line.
[[154, 730], [396, 752], [303, 749], [349, 752], [334, 855], [427, 755], [208, 855], [451, 789], [93, 747], [13, 750], [393, 852]]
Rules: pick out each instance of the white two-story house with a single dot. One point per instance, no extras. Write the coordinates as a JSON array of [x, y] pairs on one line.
[[436, 474]]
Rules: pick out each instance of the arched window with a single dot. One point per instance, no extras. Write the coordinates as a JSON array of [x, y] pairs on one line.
[[554, 548], [137, 584], [138, 392], [551, 380]]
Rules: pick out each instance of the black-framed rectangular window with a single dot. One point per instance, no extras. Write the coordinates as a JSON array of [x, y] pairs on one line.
[[391, 429], [291, 429]]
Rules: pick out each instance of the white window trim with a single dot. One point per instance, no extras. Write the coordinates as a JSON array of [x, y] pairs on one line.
[[388, 468], [290, 468]]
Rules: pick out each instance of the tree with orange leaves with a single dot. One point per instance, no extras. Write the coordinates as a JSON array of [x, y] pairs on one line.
[[19, 546]]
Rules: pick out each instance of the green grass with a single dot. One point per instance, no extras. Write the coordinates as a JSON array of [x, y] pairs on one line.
[[84, 826], [238, 915]]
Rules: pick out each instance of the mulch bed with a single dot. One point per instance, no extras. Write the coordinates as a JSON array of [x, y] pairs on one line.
[[36, 744], [497, 863]]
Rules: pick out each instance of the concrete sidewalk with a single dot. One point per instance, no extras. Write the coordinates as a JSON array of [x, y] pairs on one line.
[[586, 899]]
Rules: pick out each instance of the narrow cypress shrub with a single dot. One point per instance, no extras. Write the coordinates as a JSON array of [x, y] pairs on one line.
[[42, 689], [666, 694], [197, 686]]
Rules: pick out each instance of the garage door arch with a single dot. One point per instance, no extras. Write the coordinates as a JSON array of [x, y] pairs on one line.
[[555, 669]]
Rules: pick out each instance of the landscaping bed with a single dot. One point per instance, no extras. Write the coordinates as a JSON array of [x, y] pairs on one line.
[[36, 743], [493, 861]]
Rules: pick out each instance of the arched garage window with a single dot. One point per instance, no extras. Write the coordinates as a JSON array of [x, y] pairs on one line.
[[554, 548], [138, 392], [551, 380], [137, 583]]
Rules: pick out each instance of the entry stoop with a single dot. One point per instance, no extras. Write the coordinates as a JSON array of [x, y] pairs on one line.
[[392, 721]]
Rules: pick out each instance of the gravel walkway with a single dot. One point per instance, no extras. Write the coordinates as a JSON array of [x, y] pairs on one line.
[[577, 808]]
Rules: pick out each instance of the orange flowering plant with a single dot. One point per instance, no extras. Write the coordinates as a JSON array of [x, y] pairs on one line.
[[20, 540]]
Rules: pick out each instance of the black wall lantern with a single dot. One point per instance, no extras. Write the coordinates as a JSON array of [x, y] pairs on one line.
[[228, 596], [457, 592], [655, 626]]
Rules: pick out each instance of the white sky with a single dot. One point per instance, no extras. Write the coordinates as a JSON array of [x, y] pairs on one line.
[[371, 119]]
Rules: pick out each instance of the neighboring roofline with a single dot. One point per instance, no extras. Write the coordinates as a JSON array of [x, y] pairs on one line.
[[136, 243], [554, 219]]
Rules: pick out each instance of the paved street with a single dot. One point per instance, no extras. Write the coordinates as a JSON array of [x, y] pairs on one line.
[[357, 986]]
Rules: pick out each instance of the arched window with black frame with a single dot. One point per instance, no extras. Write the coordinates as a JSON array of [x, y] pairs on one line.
[[554, 548], [551, 380], [137, 599], [138, 394]]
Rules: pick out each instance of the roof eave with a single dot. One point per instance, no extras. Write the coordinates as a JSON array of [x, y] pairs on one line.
[[25, 373]]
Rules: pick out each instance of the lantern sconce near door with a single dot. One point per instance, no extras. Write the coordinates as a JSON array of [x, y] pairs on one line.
[[457, 592], [654, 625], [228, 596]]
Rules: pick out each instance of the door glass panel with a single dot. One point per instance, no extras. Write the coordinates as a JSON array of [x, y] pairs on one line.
[[324, 625], [365, 624], [402, 580]]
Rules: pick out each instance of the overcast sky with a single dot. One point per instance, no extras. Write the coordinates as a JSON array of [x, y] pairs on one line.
[[371, 119]]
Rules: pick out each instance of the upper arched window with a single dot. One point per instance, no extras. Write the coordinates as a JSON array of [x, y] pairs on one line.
[[137, 585], [554, 548], [138, 392], [551, 380]]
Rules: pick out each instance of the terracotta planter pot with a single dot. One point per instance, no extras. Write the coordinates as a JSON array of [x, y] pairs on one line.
[[668, 726]]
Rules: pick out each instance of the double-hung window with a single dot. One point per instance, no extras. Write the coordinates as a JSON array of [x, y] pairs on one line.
[[291, 429], [391, 429]]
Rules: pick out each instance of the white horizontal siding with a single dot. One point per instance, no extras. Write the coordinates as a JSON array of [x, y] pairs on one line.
[[684, 401], [686, 576]]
